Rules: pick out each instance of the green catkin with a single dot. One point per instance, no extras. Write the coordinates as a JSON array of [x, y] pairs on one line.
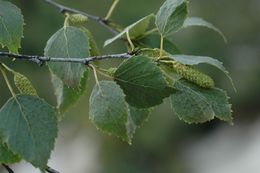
[[149, 52], [193, 75], [187, 72], [24, 85], [77, 19]]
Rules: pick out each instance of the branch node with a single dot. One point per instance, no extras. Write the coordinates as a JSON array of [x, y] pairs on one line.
[[38, 61], [63, 11], [104, 21], [134, 52], [86, 62]]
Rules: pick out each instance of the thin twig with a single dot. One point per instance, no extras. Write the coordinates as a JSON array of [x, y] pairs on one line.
[[63, 9], [161, 46], [50, 170], [8, 169], [40, 60], [130, 41], [111, 10], [2, 69], [95, 75]]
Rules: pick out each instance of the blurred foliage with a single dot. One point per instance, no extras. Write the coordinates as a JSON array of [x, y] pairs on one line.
[[157, 145]]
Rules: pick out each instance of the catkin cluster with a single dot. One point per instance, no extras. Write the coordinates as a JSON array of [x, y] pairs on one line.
[[191, 74], [24, 85]]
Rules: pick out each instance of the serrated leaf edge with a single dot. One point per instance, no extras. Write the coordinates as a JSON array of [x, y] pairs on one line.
[[129, 138], [56, 134], [22, 31]]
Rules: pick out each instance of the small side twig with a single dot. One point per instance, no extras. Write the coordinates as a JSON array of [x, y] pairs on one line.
[[63, 9], [51, 170], [111, 10], [95, 75], [8, 169], [2, 70]]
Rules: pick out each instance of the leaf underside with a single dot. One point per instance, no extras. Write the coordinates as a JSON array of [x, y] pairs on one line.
[[29, 128], [65, 44], [108, 109], [171, 16], [196, 21], [197, 105], [11, 26], [67, 97]]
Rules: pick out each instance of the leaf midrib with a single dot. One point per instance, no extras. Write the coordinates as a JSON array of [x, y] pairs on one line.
[[26, 120], [139, 85]]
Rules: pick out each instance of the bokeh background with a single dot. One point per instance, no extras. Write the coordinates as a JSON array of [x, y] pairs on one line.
[[164, 144]]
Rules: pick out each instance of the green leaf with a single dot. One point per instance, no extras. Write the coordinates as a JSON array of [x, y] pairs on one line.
[[190, 106], [195, 60], [142, 81], [135, 30], [136, 118], [197, 105], [196, 21], [24, 85], [68, 42], [6, 155], [67, 97], [11, 26], [139, 116], [153, 41], [171, 16], [111, 114], [28, 125], [108, 109], [93, 48], [79, 22]]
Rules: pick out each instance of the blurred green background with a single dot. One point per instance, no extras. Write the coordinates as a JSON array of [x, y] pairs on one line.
[[165, 144]]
